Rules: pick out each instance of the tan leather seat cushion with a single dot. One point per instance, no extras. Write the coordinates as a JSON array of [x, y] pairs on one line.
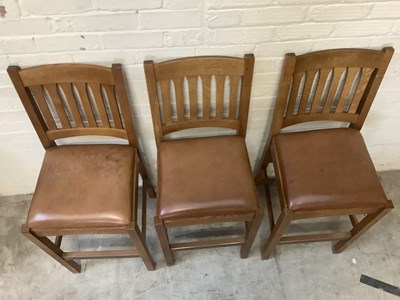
[[204, 176], [84, 186], [327, 169]]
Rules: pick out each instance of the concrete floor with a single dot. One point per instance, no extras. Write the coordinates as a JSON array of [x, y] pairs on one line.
[[298, 271]]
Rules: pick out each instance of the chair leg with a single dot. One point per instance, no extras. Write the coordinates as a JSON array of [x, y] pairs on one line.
[[362, 227], [140, 244], [144, 209], [143, 173], [262, 172], [276, 234], [163, 237], [251, 232], [151, 191], [51, 249], [268, 201], [259, 178]]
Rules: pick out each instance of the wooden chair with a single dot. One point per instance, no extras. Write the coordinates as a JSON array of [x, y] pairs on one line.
[[203, 180], [326, 172], [83, 188]]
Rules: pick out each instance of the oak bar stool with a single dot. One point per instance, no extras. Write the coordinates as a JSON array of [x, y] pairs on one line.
[[83, 188], [325, 172], [203, 180]]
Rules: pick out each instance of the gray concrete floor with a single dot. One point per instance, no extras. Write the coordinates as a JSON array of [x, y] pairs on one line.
[[298, 271]]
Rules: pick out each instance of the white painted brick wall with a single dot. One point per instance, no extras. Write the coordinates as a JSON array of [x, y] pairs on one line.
[[118, 5], [26, 26], [132, 40], [99, 22], [37, 32], [181, 4], [64, 42], [165, 19], [18, 45], [274, 15], [44, 8], [326, 13]]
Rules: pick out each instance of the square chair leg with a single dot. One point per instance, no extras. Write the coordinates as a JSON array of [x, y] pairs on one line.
[[251, 232], [141, 246], [163, 237], [362, 227], [51, 249], [276, 234]]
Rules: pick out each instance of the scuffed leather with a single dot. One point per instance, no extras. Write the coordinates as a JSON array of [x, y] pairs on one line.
[[326, 169], [84, 186], [204, 176]]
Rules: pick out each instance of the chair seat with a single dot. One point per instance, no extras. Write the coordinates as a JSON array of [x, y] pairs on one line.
[[204, 176], [326, 169], [84, 186]]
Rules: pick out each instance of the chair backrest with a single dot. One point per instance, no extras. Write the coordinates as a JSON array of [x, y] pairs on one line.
[[217, 93], [67, 100], [330, 85]]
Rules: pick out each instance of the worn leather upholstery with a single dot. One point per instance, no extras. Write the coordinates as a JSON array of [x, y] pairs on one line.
[[326, 169], [204, 176], [84, 186]]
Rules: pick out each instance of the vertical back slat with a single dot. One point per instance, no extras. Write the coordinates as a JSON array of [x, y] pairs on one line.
[[310, 75], [95, 87], [58, 105], [37, 92], [351, 74], [323, 75], [192, 82], [67, 89], [166, 101], [293, 93], [233, 95], [113, 105], [220, 85], [337, 74], [206, 87], [365, 76], [81, 88], [180, 106]]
